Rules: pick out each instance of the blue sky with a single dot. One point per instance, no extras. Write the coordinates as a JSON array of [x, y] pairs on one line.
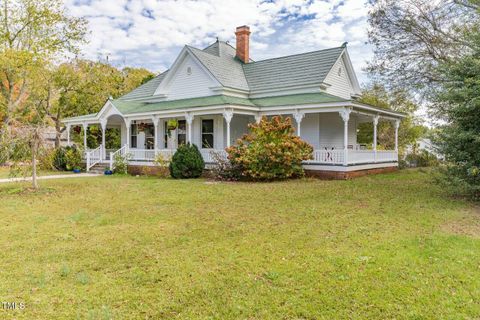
[[150, 33]]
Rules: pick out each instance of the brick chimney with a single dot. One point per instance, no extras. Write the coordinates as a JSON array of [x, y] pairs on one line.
[[243, 39]]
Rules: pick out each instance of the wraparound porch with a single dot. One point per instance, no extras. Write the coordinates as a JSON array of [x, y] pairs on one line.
[[331, 131]]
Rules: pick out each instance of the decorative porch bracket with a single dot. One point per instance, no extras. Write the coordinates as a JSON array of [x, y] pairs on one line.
[[155, 121], [228, 115], [189, 119], [298, 118]]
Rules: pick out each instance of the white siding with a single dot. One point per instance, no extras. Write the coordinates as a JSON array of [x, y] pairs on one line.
[[341, 85], [218, 139], [331, 130], [309, 129], [238, 127], [183, 85]]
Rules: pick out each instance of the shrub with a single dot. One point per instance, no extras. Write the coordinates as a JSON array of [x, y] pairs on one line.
[[187, 162], [46, 159], [162, 162], [421, 159], [223, 169], [270, 151], [120, 163], [73, 158], [59, 159]]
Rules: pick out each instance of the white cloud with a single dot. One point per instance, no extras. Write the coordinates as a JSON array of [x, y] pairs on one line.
[[150, 33]]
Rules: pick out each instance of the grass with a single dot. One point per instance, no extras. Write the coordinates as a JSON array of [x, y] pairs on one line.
[[389, 246], [5, 172]]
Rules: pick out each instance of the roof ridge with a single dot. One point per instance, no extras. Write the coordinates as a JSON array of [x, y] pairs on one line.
[[295, 54]]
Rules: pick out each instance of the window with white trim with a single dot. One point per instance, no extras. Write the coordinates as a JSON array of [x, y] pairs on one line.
[[207, 134]]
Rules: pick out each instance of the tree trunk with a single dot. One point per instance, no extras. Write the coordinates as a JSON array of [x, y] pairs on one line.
[[58, 134], [34, 168]]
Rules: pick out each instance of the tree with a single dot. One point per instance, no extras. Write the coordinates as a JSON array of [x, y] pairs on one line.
[[411, 37], [84, 86], [410, 129], [31, 31], [458, 104]]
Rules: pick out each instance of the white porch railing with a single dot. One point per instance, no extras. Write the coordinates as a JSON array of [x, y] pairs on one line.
[[93, 157], [150, 155], [122, 151], [209, 157], [328, 156], [386, 156], [335, 156]]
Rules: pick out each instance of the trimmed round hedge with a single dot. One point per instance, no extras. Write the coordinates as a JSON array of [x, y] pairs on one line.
[[187, 162]]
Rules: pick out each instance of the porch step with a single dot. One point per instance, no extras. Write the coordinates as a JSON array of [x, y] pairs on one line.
[[99, 168]]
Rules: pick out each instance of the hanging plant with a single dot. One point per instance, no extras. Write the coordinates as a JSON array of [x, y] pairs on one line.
[[141, 127], [77, 129], [172, 124]]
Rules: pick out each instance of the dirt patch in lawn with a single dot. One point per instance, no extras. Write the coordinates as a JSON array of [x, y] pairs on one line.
[[467, 225]]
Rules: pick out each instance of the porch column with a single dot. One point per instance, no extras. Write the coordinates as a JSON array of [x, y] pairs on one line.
[[85, 128], [103, 124], [189, 120], [128, 122], [68, 127], [228, 115], [155, 121], [396, 124], [258, 118], [345, 114], [298, 118], [375, 123]]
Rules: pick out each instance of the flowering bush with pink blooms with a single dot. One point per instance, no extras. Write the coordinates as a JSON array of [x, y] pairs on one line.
[[271, 151]]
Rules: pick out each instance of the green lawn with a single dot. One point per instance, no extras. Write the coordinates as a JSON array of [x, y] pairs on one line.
[[379, 247]]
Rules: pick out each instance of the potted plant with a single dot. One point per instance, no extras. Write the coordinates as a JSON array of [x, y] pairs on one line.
[[172, 124], [108, 172], [77, 170]]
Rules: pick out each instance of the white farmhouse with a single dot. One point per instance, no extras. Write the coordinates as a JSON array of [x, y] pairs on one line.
[[215, 92]]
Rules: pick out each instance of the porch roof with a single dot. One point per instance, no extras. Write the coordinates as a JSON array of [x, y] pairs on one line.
[[135, 107]]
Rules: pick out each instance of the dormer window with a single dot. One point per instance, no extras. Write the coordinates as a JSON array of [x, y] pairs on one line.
[[189, 70]]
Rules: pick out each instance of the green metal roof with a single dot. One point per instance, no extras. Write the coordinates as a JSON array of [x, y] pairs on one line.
[[309, 68], [146, 90], [296, 99], [220, 60], [131, 107], [297, 70]]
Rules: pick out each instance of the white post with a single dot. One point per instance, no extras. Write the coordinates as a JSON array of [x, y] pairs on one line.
[[258, 118], [103, 124], [228, 115], [68, 134], [155, 121], [397, 124], [85, 128], [375, 123], [298, 118], [88, 162], [345, 114], [189, 119], [128, 122]]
